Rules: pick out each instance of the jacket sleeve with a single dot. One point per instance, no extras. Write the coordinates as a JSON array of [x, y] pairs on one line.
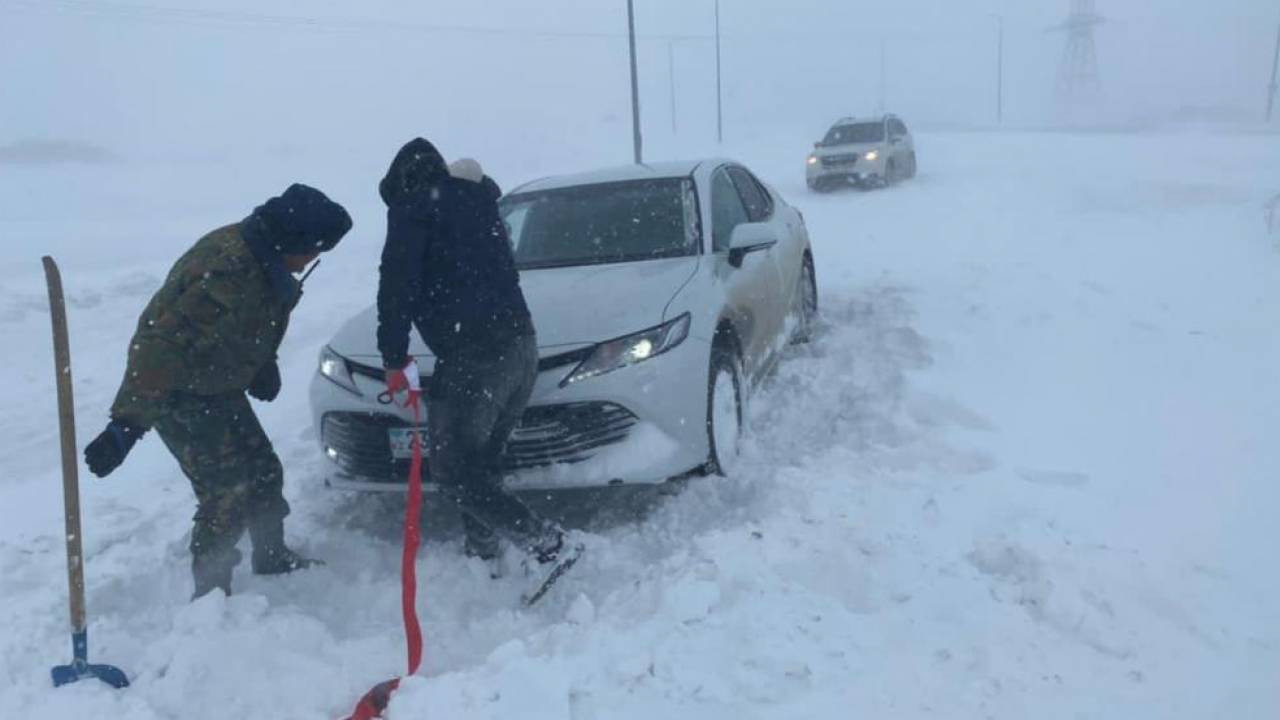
[[399, 282], [197, 345]]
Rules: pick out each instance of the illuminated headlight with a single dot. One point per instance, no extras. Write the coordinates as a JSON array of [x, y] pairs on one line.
[[632, 349], [813, 159], [334, 367], [871, 156]]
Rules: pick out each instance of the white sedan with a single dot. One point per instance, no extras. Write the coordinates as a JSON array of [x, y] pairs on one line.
[[661, 294]]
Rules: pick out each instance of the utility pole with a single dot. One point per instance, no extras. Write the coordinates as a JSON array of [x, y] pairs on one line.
[[882, 79], [1271, 89], [719, 93], [999, 70], [635, 88], [671, 67]]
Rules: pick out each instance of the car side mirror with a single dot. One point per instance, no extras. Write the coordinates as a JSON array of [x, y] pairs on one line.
[[748, 238]]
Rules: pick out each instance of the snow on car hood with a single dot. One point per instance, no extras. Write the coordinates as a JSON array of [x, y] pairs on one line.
[[571, 306]]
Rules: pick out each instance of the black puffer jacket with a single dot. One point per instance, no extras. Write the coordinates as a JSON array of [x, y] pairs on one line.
[[447, 265]]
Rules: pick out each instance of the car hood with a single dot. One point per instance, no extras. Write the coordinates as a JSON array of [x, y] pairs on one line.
[[571, 306]]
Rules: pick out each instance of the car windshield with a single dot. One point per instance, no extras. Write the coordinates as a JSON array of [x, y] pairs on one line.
[[602, 223], [858, 133]]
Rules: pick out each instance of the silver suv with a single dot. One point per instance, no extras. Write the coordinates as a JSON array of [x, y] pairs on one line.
[[867, 152]]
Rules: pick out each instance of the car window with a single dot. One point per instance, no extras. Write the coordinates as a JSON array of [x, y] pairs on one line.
[[866, 132], [727, 211], [896, 127], [601, 223], [514, 222], [754, 197]]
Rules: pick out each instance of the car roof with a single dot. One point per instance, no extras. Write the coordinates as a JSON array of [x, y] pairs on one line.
[[620, 173], [851, 120]]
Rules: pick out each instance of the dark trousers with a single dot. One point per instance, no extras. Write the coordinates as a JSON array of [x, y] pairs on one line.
[[473, 405], [237, 478]]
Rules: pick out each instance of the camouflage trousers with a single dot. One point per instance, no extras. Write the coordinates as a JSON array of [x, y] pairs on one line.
[[237, 478]]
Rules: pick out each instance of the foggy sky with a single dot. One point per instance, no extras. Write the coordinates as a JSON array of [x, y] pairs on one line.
[[137, 77]]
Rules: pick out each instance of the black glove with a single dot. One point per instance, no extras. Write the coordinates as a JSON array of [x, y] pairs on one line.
[[266, 384], [109, 449]]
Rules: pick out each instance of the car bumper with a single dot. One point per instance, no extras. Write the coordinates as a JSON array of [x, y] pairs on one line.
[[642, 424], [858, 171]]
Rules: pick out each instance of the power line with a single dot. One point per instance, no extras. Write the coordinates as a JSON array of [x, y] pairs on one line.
[[156, 14]]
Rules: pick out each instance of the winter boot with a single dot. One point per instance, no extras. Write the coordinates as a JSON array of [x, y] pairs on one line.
[[546, 545], [212, 571], [554, 558], [480, 542], [270, 555]]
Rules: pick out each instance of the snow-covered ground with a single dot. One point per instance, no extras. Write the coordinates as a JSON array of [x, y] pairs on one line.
[[1029, 468]]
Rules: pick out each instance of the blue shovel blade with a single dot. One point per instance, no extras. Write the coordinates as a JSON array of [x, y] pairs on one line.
[[80, 669], [109, 674]]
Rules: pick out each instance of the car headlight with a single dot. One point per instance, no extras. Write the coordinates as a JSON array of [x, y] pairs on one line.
[[616, 354], [813, 159], [871, 156], [334, 367]]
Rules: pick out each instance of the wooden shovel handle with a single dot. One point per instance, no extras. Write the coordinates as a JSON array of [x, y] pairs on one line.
[[67, 427]]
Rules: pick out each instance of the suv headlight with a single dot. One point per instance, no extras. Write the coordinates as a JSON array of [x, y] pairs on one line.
[[813, 160], [871, 156], [632, 349], [334, 367]]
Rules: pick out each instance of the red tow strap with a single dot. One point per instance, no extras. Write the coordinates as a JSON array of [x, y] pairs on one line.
[[376, 700]]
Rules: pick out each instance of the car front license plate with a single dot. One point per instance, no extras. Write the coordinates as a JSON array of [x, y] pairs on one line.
[[402, 442]]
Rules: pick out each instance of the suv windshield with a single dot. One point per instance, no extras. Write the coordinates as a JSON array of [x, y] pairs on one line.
[[859, 133], [604, 223]]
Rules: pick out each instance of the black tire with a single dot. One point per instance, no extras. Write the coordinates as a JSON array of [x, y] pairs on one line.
[[890, 172], [911, 165], [808, 298], [724, 360]]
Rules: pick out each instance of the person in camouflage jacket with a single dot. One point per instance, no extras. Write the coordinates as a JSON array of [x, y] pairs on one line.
[[207, 337]]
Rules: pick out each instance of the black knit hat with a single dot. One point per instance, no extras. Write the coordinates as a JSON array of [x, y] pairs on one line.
[[302, 221]]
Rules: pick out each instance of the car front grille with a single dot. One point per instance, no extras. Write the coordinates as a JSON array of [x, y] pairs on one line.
[[548, 362], [377, 373], [845, 160], [358, 442]]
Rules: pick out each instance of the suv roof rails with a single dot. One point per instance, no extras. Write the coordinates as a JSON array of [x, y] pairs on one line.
[[864, 118]]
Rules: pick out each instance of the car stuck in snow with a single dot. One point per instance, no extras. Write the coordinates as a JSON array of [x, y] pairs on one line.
[[660, 295]]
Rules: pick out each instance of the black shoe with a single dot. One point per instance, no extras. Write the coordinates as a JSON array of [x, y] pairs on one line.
[[270, 555], [478, 545], [547, 548], [548, 572], [278, 561]]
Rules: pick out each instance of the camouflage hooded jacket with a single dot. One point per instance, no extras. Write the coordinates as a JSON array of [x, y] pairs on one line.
[[218, 319]]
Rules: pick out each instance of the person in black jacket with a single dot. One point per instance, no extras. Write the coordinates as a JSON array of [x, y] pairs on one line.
[[448, 269]]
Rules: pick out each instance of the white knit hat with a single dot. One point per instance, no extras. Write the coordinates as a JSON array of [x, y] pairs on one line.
[[466, 169]]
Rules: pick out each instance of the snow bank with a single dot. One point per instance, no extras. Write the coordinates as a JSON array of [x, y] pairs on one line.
[[1026, 469]]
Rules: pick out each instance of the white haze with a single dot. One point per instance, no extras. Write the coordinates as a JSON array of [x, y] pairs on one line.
[[191, 78]]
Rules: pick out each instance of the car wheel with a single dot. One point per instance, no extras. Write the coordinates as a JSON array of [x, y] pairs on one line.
[[890, 173], [724, 409], [804, 308], [911, 166]]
